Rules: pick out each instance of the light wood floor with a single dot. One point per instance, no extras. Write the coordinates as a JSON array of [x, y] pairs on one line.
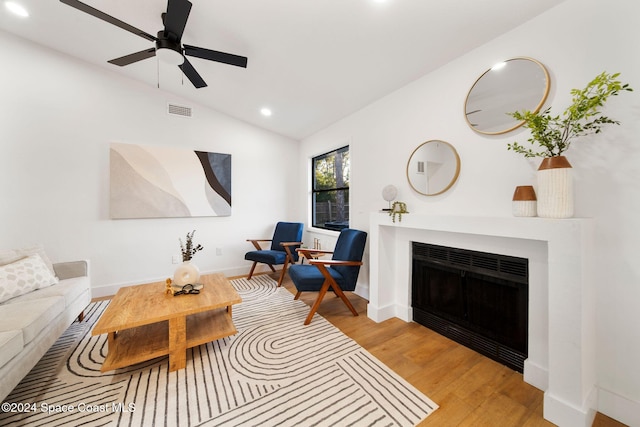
[[471, 389]]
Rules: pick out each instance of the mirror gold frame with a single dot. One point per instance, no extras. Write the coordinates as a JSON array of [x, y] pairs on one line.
[[516, 84], [433, 169]]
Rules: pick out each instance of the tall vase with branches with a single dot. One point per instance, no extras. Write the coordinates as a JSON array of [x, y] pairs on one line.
[[554, 134], [187, 273]]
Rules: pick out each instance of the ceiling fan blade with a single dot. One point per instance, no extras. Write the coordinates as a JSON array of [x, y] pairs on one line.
[[214, 55], [108, 18], [192, 74], [134, 57], [176, 18]]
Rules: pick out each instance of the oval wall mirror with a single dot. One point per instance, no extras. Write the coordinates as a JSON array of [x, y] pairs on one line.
[[513, 85], [433, 167]]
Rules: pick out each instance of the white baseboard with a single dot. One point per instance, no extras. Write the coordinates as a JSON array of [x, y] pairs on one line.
[[565, 414], [112, 289], [380, 314], [618, 407], [104, 291], [536, 375], [362, 290], [404, 313]]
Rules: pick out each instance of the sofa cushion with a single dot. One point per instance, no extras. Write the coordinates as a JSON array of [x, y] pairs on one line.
[[266, 256], [11, 345], [11, 255], [30, 316], [69, 289], [24, 276]]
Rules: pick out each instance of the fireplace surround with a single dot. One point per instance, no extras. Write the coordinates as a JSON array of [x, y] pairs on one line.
[[561, 331]]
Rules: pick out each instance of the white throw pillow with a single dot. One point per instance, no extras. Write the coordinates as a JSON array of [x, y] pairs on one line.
[[24, 276], [12, 255]]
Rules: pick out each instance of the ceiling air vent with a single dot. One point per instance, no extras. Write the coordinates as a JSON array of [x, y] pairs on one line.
[[179, 110]]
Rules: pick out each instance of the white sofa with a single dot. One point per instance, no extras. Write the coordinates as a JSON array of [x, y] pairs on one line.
[[32, 322]]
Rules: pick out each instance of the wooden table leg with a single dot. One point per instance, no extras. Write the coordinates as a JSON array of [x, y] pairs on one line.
[[177, 343], [111, 336], [111, 349]]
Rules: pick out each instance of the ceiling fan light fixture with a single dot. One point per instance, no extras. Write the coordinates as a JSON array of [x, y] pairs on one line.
[[168, 43], [169, 56]]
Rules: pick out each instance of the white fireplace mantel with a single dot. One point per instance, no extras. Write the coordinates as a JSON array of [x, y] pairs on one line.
[[561, 359]]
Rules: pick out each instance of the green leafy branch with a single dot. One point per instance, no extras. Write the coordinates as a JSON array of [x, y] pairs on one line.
[[554, 134]]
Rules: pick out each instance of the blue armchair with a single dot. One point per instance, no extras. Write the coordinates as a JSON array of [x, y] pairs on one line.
[[286, 238], [340, 273]]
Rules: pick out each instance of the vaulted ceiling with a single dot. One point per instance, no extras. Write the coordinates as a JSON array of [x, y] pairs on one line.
[[311, 62]]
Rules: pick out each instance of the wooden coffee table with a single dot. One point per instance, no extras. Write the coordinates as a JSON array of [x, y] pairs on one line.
[[143, 322]]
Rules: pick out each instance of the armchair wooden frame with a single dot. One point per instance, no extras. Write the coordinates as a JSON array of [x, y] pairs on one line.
[[288, 259], [329, 282]]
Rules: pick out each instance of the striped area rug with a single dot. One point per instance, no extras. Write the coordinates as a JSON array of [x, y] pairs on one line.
[[274, 372]]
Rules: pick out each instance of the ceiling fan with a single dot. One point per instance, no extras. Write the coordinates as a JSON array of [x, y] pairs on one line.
[[169, 47]]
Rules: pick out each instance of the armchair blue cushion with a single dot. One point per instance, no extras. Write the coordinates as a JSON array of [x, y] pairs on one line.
[[286, 237], [338, 274]]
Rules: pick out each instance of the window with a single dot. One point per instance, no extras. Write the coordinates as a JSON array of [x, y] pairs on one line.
[[330, 192]]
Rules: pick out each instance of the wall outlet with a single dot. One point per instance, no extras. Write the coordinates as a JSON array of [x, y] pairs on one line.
[[176, 259], [218, 251]]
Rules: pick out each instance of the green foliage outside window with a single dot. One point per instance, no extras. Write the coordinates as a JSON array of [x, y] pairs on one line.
[[331, 189]]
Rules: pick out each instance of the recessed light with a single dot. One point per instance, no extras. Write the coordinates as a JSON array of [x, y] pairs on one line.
[[16, 9], [265, 112]]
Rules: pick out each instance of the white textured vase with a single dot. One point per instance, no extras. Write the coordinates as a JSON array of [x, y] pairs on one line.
[[555, 188], [186, 273]]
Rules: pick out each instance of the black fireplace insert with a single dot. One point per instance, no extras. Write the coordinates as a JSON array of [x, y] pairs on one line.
[[478, 299]]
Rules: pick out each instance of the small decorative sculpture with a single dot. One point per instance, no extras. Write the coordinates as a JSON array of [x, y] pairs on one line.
[[398, 208]]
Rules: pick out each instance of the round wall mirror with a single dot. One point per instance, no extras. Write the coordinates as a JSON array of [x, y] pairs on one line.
[[433, 167], [513, 85]]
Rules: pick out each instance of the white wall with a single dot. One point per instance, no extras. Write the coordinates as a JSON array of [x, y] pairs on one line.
[[576, 40], [57, 118]]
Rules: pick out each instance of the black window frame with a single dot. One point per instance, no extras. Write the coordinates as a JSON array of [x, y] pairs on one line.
[[339, 223]]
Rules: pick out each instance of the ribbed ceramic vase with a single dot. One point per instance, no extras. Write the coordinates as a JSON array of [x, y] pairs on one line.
[[186, 273], [524, 201], [555, 188]]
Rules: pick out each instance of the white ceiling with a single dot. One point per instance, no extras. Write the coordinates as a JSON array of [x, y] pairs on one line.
[[311, 61]]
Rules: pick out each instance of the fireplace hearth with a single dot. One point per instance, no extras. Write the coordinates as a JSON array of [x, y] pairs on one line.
[[478, 299]]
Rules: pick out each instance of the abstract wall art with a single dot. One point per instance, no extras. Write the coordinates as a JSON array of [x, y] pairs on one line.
[[166, 182]]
